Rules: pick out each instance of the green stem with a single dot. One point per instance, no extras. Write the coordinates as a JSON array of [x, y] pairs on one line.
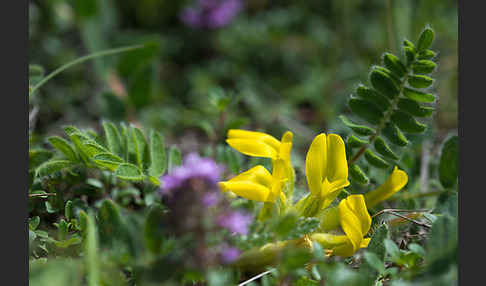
[[80, 60], [382, 123]]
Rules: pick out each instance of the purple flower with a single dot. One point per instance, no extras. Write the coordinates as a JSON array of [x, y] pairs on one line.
[[211, 199], [211, 13], [236, 222], [222, 15], [193, 167], [229, 254]]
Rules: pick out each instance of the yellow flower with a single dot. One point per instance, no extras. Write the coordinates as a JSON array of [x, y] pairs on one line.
[[355, 221], [397, 180], [326, 170], [258, 184], [258, 144]]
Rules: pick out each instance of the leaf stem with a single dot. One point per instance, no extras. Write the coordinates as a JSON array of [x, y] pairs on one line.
[[382, 123]]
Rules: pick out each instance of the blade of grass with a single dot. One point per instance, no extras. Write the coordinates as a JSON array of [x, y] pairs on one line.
[[80, 60]]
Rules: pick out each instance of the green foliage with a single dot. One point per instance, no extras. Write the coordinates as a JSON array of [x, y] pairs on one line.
[[448, 165], [127, 153], [391, 105], [358, 175], [97, 218]]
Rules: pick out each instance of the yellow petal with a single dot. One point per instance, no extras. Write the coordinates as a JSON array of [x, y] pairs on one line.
[[328, 188], [358, 206], [344, 250], [350, 223], [397, 180], [329, 241], [365, 242], [315, 163], [246, 189], [337, 165], [257, 174], [286, 146], [254, 136], [253, 148]]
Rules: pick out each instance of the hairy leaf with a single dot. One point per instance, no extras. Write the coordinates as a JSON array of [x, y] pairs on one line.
[[448, 165], [62, 145], [359, 129], [113, 138], [365, 110], [52, 166], [157, 154], [382, 147], [375, 160], [407, 123], [418, 95], [420, 81], [394, 64], [358, 175], [127, 171], [394, 134], [413, 108], [384, 83], [425, 40]]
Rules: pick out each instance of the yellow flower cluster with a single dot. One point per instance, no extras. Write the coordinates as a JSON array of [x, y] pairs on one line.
[[326, 170]]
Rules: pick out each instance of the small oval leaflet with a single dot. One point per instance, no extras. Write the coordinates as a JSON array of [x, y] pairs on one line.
[[375, 160]]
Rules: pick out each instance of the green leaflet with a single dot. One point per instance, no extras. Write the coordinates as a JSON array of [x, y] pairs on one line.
[[408, 43], [158, 162], [394, 135], [407, 123], [107, 160], [366, 110], [425, 39], [63, 145], [140, 146], [175, 158], [92, 148], [394, 64], [113, 138], [418, 95], [127, 171], [37, 157], [413, 108], [358, 175], [420, 81], [52, 166], [448, 164], [359, 129], [426, 55], [355, 142], [375, 160], [423, 66], [409, 54], [384, 150], [369, 94], [384, 83]]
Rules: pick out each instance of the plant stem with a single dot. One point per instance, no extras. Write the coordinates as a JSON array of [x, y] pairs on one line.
[[256, 277], [382, 123], [41, 195], [80, 60]]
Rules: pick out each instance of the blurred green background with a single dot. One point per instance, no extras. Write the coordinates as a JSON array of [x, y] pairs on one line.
[[280, 64]]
